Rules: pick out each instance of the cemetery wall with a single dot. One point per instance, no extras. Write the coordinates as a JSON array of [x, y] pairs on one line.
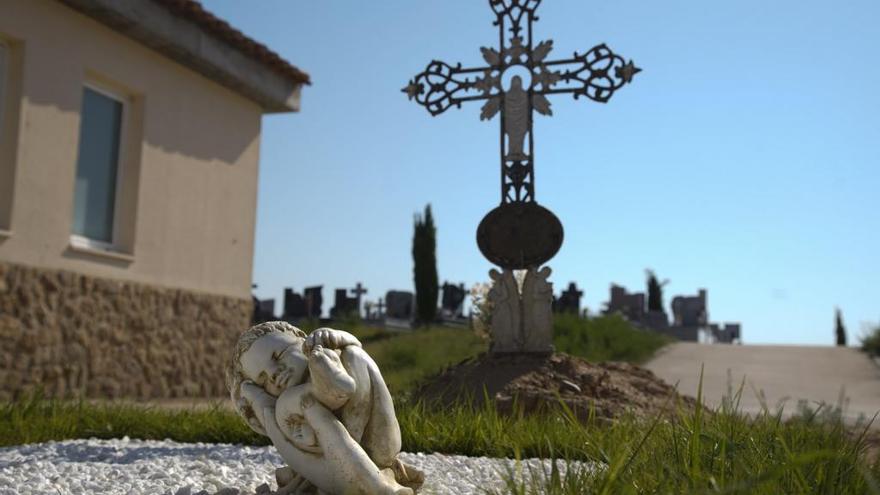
[[75, 334]]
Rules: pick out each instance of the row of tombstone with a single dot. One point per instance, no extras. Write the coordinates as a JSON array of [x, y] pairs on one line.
[[401, 305], [396, 305]]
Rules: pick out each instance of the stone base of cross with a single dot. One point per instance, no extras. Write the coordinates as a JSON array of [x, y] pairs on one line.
[[522, 317]]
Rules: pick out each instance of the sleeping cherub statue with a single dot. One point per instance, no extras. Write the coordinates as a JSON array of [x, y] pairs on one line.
[[324, 405]]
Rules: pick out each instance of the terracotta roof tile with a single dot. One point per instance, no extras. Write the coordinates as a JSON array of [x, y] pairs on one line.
[[193, 11]]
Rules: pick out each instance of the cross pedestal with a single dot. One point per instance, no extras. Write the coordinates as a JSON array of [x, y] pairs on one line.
[[522, 319]]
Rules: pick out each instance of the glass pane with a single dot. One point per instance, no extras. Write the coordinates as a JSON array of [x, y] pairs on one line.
[[96, 166]]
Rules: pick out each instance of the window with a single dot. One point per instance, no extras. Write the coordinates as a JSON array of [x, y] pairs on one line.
[[97, 167]]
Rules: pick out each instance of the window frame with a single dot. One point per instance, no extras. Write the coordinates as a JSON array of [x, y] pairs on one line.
[[5, 50], [81, 241]]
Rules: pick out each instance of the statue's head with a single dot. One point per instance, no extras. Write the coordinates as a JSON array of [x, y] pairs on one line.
[[516, 82], [270, 355]]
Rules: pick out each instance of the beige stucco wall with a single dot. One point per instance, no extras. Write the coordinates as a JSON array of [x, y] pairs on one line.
[[189, 165]]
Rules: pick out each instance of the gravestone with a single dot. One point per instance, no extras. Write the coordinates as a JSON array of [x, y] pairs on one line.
[[569, 301], [263, 310], [691, 311], [399, 305], [728, 333], [380, 309], [294, 305], [267, 306], [519, 234], [314, 301], [656, 320], [343, 305], [630, 305], [373, 310], [358, 291], [452, 302]]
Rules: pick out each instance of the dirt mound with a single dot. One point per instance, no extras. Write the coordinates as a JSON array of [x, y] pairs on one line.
[[533, 382]]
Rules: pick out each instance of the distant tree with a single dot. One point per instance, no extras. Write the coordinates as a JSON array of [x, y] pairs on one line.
[[839, 329], [655, 291], [424, 251], [871, 341]]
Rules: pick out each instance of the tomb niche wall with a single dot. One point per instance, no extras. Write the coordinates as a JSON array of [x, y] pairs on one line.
[[78, 335]]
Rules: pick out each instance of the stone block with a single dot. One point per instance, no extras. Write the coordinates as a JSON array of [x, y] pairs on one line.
[[76, 335]]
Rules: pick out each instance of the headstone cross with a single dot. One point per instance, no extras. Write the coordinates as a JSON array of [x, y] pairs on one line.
[[516, 82], [358, 291]]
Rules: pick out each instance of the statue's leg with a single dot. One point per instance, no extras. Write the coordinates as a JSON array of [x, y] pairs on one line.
[[371, 407], [292, 483], [312, 467], [346, 461]]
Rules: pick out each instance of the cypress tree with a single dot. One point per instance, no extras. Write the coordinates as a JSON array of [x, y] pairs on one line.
[[655, 292], [424, 251], [839, 329]]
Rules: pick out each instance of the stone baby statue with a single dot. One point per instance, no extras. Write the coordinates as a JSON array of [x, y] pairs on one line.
[[322, 401]]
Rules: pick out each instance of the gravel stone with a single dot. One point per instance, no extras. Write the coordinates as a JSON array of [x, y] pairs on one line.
[[149, 467]]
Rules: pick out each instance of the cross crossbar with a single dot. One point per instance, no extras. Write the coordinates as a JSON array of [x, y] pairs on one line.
[[596, 74]]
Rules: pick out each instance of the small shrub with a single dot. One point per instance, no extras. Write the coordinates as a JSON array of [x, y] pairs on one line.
[[481, 310], [871, 342]]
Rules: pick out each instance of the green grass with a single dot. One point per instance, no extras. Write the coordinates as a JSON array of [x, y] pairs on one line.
[[689, 452], [409, 358], [606, 338], [32, 420], [721, 452]]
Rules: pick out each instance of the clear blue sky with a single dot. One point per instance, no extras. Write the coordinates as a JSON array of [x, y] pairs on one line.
[[744, 159]]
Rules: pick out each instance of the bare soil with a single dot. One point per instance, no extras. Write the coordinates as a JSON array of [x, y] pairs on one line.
[[529, 383]]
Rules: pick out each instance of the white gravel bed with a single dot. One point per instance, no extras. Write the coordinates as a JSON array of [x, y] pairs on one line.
[[133, 467]]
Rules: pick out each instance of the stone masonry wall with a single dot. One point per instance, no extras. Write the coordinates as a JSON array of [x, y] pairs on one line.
[[76, 335]]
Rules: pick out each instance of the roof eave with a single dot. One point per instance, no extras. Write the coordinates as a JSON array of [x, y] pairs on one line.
[[188, 44]]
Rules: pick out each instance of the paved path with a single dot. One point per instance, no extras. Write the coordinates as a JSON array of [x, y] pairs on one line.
[[785, 374]]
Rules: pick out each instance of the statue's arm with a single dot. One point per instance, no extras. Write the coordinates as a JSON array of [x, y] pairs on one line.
[[329, 338], [331, 383], [254, 400]]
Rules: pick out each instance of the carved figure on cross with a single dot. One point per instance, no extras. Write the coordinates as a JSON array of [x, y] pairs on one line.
[[517, 81]]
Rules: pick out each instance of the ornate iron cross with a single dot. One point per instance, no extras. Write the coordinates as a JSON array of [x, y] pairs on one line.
[[515, 83]]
